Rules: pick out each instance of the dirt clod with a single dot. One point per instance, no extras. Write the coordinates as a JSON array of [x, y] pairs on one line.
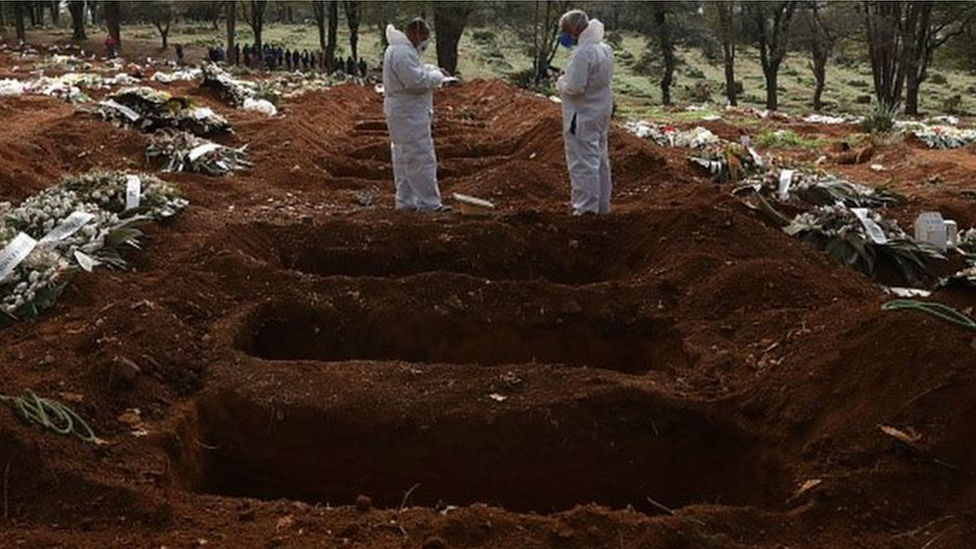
[[364, 503]]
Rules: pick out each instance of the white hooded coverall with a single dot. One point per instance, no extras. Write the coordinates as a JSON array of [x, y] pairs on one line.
[[408, 105], [587, 106]]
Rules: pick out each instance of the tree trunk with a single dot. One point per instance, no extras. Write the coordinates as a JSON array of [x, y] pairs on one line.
[[97, 12], [667, 50], [773, 38], [32, 11], [882, 21], [727, 34], [390, 9], [232, 28], [820, 75], [920, 55], [352, 19], [254, 15], [772, 93], [449, 21], [164, 34], [19, 20], [912, 85], [318, 10], [536, 65], [77, 10], [728, 53], [333, 35], [55, 13], [112, 21]]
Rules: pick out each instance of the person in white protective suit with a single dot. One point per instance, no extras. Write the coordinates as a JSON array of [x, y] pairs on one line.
[[408, 103], [587, 106]]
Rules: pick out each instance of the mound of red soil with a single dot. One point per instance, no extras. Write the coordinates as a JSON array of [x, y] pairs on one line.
[[43, 138], [312, 368]]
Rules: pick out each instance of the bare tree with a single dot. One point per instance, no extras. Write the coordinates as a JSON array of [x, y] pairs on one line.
[[771, 22], [818, 29], [821, 45], [724, 11], [353, 12], [890, 26], [938, 23], [162, 21], [545, 30], [55, 7], [449, 21], [253, 11], [157, 12]]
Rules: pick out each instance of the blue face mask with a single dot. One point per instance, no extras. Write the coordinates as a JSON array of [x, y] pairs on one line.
[[566, 40]]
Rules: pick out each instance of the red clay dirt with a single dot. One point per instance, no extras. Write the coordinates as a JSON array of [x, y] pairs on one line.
[[315, 369]]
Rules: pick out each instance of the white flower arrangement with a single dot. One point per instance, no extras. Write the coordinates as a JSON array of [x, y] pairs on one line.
[[845, 235], [183, 151], [818, 189], [944, 137], [149, 110], [669, 136], [107, 190], [95, 202]]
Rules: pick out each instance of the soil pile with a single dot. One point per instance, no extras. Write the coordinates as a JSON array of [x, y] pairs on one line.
[[678, 374]]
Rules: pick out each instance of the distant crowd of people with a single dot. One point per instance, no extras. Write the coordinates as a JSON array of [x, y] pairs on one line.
[[275, 57]]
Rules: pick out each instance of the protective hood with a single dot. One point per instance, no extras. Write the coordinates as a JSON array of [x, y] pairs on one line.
[[593, 33], [397, 38]]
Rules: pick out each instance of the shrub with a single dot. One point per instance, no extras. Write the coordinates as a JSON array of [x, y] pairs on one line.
[[701, 92], [881, 121], [526, 79], [938, 78], [484, 36], [953, 104]]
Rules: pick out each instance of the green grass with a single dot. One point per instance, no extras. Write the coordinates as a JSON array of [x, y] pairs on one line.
[[637, 95], [785, 139]]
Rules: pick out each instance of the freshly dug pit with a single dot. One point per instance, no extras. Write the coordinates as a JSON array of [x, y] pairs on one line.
[[617, 450], [565, 251], [294, 332]]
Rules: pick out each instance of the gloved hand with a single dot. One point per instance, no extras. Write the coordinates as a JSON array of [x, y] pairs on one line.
[[561, 84], [436, 76]]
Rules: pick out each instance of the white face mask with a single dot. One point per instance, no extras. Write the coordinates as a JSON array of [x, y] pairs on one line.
[[422, 46]]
